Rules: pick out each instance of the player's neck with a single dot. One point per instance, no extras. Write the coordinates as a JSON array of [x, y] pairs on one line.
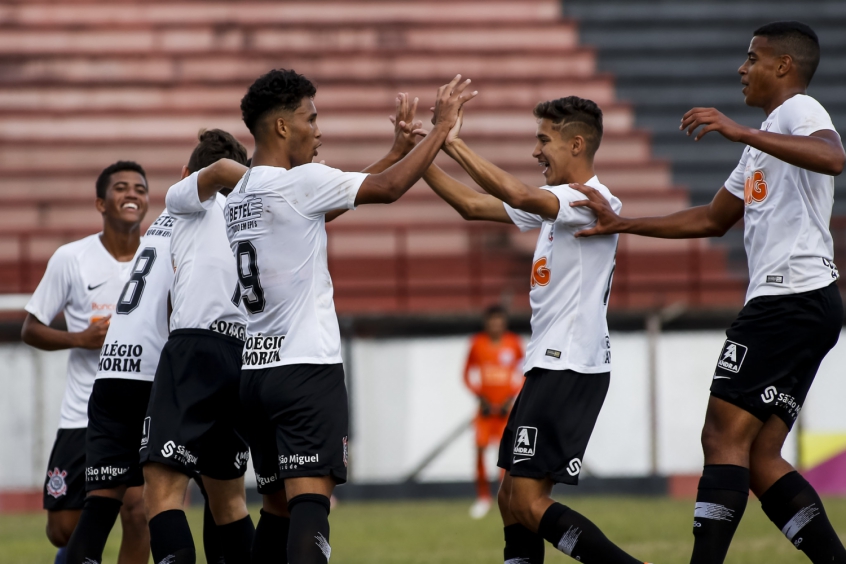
[[579, 173], [271, 156], [782, 97], [121, 242]]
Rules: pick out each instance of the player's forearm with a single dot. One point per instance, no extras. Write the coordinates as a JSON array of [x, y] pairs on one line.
[[691, 223], [818, 153], [393, 157], [459, 196], [223, 174], [491, 178], [396, 180], [36, 334]]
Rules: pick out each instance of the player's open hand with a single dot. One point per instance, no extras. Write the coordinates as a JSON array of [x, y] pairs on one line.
[[607, 221], [451, 98], [406, 128], [94, 335], [712, 120]]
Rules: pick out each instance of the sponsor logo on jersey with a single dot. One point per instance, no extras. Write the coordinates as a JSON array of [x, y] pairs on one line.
[[145, 433], [553, 353], [162, 227], [261, 351], [833, 267], [178, 453], [732, 355], [237, 330], [755, 188], [769, 394], [265, 480], [574, 467], [104, 473], [56, 485], [778, 399], [294, 461], [774, 279], [540, 273], [525, 441], [116, 357], [244, 215], [241, 459], [90, 287]]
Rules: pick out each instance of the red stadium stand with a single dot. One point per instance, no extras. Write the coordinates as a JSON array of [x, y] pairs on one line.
[[88, 82]]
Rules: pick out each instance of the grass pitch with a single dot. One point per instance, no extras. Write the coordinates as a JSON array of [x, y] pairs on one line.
[[440, 532]]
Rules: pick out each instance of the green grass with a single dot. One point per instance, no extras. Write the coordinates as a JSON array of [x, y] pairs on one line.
[[431, 532]]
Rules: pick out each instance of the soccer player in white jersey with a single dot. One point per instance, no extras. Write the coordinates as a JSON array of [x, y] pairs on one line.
[[568, 358], [783, 188], [85, 279], [190, 429], [293, 380]]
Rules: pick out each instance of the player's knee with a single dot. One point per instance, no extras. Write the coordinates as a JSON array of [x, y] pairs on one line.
[[712, 440], [133, 514], [58, 533], [522, 508], [276, 504]]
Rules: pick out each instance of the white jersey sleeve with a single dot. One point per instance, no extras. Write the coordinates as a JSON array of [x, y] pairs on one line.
[[736, 182], [578, 216], [524, 220], [138, 330], [183, 198], [314, 189], [803, 115], [53, 292]]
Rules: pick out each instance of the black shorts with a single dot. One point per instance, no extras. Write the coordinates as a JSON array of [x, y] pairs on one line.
[[550, 424], [773, 350], [116, 411], [64, 487], [194, 418], [299, 422]]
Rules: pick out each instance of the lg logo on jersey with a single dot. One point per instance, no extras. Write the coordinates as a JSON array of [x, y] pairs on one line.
[[540, 273], [755, 188]]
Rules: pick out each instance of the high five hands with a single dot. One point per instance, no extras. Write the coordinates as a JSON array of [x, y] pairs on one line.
[[406, 128]]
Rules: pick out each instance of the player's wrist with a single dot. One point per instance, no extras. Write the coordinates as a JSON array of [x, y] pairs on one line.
[[747, 135]]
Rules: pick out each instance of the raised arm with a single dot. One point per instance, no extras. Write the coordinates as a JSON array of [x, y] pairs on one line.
[[36, 334], [221, 175], [821, 151], [470, 204], [712, 220], [389, 185]]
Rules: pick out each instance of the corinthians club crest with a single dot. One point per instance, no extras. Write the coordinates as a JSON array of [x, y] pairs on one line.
[[56, 485]]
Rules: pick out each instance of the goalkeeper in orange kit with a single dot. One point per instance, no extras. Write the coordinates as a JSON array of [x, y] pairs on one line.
[[493, 375]]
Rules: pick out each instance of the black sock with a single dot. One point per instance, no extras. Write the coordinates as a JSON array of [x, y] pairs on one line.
[[574, 535], [270, 544], [211, 543], [308, 537], [92, 531], [522, 546], [720, 503], [170, 538], [236, 540], [795, 508]]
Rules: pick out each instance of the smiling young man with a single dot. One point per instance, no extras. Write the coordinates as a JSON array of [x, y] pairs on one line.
[[293, 380], [84, 279], [783, 188], [568, 358]]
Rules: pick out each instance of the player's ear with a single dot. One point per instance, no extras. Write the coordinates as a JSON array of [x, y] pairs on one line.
[[100, 204], [185, 172], [785, 63], [282, 128], [577, 145]]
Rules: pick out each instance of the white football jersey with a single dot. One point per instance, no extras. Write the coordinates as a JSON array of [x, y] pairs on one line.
[[138, 328], [277, 229], [85, 281], [205, 292], [788, 209], [570, 286]]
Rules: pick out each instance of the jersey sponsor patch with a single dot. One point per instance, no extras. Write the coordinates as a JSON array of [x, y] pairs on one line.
[[553, 353], [245, 214], [260, 350], [230, 329], [540, 273], [774, 279], [525, 441], [120, 357], [732, 355], [755, 188]]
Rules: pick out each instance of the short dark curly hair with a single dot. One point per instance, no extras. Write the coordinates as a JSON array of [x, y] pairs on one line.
[[584, 114], [216, 144], [797, 40], [105, 177], [280, 89]]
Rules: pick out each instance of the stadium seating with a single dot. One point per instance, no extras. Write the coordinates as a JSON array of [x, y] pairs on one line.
[[87, 82]]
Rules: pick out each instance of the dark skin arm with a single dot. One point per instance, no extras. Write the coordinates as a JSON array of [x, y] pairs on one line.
[[390, 185], [713, 220], [36, 334], [222, 175], [821, 152]]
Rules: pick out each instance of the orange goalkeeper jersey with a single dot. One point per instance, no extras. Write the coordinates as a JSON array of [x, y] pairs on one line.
[[497, 366]]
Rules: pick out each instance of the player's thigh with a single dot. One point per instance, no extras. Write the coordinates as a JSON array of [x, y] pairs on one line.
[[728, 433], [766, 464], [321, 485]]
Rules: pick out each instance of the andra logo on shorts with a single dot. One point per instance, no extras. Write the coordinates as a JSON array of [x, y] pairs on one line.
[[732, 355], [525, 441]]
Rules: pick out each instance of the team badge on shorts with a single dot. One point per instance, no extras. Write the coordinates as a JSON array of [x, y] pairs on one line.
[[56, 485], [732, 355], [526, 440]]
